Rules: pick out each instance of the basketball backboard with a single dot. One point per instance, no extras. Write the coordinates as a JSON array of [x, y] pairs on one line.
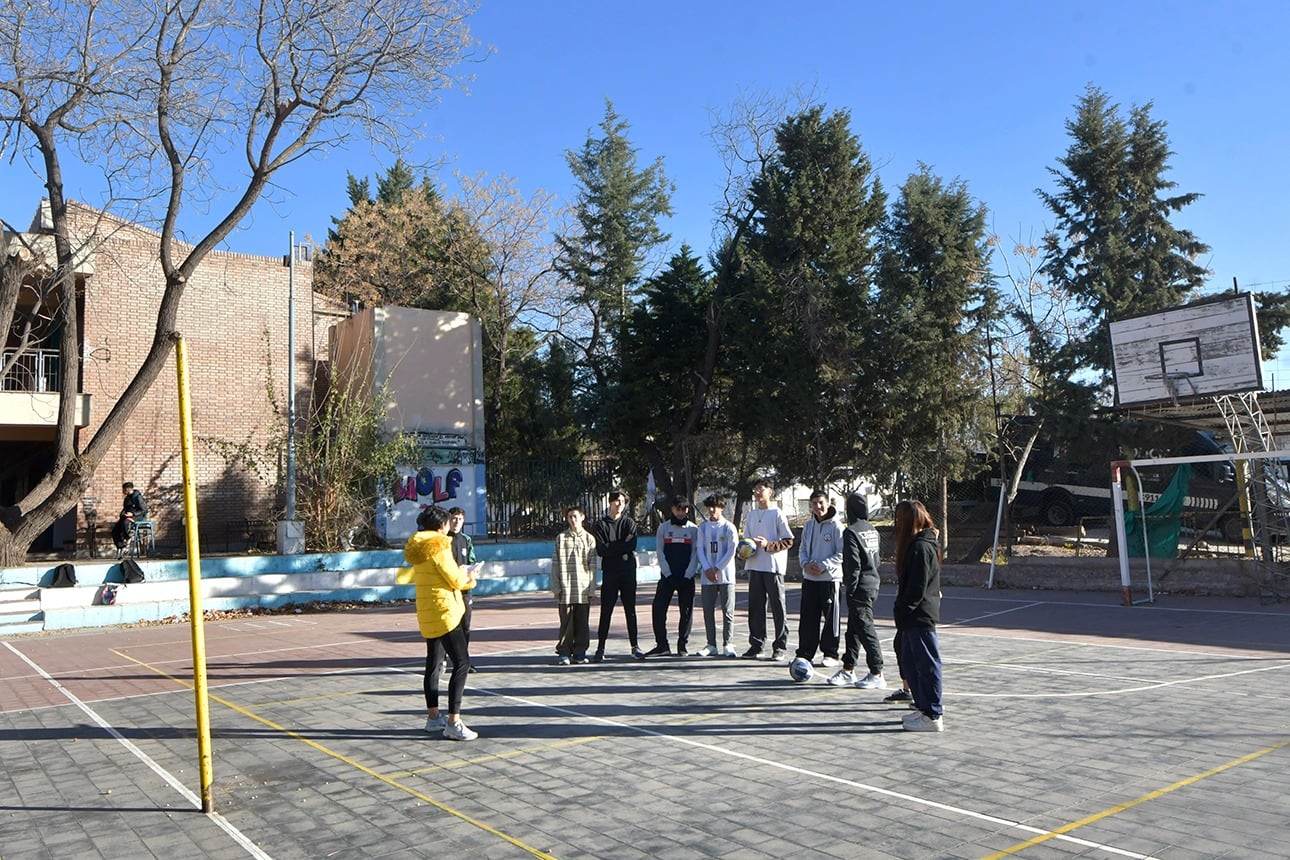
[[1204, 349]]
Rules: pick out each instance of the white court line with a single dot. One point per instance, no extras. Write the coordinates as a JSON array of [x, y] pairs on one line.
[[1226, 652], [238, 836], [1182, 609], [1154, 685], [861, 786]]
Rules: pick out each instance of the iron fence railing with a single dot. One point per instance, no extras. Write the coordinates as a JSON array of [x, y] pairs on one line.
[[527, 498], [36, 370]]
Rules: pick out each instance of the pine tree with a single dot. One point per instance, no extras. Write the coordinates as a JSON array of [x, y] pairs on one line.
[[617, 211], [796, 335], [934, 297], [1113, 247]]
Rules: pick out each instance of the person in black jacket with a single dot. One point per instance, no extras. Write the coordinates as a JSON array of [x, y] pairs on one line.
[[917, 612], [860, 582], [615, 535], [133, 508]]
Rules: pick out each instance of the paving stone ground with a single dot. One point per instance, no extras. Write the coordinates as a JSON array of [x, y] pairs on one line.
[[1075, 727]]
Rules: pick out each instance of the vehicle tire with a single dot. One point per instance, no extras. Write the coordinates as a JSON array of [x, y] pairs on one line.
[[1059, 510], [1233, 529]]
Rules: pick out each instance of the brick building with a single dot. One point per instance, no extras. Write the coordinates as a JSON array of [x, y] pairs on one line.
[[234, 319]]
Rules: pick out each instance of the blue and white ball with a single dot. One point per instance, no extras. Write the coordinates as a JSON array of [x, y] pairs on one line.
[[801, 670]]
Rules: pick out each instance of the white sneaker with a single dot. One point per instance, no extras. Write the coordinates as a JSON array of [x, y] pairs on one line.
[[830, 662], [872, 682], [458, 732], [842, 678], [731, 652], [920, 722], [436, 724], [707, 651]]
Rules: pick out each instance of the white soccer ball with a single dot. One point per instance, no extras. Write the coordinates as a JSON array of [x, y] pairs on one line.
[[801, 670]]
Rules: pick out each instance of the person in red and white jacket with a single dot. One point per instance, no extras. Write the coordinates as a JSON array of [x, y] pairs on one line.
[[678, 562]]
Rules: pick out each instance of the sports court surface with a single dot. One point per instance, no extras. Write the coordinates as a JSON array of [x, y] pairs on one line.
[[1074, 728]]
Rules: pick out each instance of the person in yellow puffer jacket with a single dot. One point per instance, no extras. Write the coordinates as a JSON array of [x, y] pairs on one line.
[[440, 582]]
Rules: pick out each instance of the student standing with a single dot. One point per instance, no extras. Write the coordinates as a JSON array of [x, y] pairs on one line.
[[860, 582], [819, 625], [616, 545], [440, 610], [718, 538], [917, 612], [463, 552], [768, 527], [573, 582], [677, 565]]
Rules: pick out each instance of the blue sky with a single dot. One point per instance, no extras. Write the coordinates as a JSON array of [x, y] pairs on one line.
[[978, 91]]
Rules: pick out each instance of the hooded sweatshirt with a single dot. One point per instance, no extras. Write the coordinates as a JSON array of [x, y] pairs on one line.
[[822, 544], [860, 543], [439, 583], [918, 598]]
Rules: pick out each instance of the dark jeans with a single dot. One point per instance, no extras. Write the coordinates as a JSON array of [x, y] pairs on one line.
[[765, 588], [454, 645], [684, 590], [615, 585], [575, 629], [920, 660], [820, 604], [861, 632]]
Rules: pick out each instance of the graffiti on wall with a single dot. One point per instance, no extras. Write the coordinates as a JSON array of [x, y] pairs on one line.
[[426, 487]]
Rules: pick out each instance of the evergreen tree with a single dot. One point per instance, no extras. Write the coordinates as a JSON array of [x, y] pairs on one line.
[[617, 211], [935, 297], [664, 349], [798, 317], [1113, 247]]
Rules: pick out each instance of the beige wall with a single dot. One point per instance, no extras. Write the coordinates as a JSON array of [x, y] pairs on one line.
[[431, 367]]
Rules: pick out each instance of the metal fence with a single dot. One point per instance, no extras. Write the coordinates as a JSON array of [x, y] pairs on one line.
[[35, 370], [527, 498]]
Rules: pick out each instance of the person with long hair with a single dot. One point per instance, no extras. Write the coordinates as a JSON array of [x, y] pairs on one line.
[[441, 610], [917, 612]]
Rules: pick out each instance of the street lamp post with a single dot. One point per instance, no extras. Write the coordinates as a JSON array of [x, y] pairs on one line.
[[291, 537]]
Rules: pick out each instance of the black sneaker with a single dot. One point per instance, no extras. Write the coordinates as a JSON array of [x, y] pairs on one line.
[[899, 697], [780, 654], [681, 651], [658, 651], [753, 653], [598, 657], [638, 653]]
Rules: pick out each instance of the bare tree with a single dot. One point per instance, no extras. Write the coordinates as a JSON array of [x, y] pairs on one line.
[[152, 94], [515, 290]]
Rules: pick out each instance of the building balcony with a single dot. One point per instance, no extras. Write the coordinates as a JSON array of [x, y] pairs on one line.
[[29, 396]]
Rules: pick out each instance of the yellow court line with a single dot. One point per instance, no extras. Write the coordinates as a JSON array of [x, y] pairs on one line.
[[349, 761], [1159, 792]]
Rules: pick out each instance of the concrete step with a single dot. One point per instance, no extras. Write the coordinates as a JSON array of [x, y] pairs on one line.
[[20, 611]]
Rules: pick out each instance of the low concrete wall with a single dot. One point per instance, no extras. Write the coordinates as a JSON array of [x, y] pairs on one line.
[[271, 581]]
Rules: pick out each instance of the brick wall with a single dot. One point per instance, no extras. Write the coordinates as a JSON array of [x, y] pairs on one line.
[[233, 318]]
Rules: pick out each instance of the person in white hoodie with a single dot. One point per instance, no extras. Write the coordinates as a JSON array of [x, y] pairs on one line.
[[718, 538], [820, 554]]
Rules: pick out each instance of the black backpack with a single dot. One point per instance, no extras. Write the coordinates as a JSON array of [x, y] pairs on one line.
[[64, 576], [130, 571]]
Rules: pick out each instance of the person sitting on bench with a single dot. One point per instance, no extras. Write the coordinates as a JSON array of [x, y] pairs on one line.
[[132, 508]]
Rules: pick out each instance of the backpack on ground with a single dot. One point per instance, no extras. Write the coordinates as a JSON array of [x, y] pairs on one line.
[[131, 571], [64, 576]]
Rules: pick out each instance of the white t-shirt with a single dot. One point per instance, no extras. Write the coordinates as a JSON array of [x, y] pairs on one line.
[[771, 524]]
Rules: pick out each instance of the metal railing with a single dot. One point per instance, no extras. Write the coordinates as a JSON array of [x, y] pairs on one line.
[[37, 370]]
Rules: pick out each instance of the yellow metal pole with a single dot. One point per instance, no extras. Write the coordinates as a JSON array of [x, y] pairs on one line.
[[194, 580]]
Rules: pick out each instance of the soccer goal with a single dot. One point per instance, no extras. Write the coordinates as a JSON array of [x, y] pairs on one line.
[[1259, 507]]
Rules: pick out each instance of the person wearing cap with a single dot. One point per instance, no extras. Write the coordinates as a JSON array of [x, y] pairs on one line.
[[678, 562]]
